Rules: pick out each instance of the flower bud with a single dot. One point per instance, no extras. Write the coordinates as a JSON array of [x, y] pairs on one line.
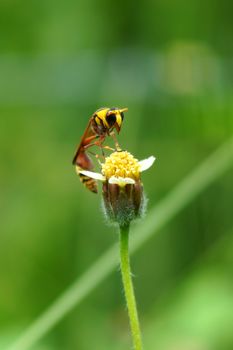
[[123, 204], [123, 195]]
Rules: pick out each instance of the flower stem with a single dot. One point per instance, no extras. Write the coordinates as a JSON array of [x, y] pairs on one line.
[[128, 287]]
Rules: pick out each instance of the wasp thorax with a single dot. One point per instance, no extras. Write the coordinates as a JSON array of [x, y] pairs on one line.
[[122, 191], [121, 164]]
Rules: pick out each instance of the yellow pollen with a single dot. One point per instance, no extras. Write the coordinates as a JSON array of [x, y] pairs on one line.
[[121, 164]]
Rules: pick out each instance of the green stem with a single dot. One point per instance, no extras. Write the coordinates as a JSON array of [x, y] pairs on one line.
[[128, 288]]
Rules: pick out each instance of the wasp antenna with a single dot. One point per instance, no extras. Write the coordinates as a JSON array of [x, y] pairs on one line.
[[123, 110]]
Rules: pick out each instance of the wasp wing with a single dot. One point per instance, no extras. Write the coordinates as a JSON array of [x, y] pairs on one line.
[[80, 149]]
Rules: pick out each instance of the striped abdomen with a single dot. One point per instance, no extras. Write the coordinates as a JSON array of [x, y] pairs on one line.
[[88, 182]]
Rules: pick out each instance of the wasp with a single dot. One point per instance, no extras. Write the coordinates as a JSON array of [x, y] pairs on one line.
[[101, 124]]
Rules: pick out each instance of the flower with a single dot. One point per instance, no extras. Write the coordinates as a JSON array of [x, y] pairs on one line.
[[123, 194]]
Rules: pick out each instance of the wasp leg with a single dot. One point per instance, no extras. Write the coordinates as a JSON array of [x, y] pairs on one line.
[[95, 143], [109, 148], [87, 142], [102, 150], [100, 145], [118, 149], [96, 155]]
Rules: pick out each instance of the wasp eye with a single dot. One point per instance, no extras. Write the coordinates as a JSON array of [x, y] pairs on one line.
[[111, 119], [122, 116]]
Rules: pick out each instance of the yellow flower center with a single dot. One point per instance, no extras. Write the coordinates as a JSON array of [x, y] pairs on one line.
[[121, 164]]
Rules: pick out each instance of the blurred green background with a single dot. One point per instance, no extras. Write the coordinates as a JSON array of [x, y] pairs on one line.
[[170, 63]]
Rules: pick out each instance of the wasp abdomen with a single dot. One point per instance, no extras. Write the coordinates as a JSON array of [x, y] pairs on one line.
[[88, 182]]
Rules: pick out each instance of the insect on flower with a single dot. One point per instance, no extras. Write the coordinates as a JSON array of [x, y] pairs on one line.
[[123, 202], [123, 194], [101, 124]]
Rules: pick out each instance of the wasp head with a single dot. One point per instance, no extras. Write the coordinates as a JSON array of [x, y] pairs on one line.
[[115, 117]]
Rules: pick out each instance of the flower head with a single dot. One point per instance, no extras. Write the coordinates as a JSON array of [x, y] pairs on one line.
[[121, 165], [123, 194]]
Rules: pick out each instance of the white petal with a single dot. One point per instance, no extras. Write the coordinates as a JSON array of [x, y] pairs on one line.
[[121, 181], [96, 176], [146, 163]]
